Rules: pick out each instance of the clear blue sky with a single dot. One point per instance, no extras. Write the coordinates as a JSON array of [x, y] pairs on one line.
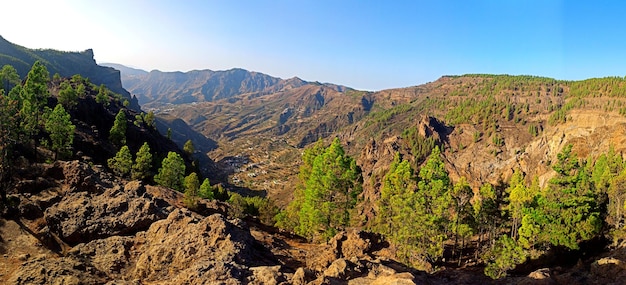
[[368, 45]]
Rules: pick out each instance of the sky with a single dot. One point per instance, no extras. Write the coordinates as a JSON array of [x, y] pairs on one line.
[[368, 45]]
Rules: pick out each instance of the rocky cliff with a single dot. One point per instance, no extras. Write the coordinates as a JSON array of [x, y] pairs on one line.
[[66, 64]]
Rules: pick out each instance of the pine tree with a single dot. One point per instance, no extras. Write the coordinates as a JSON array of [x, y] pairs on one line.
[[9, 137], [519, 197], [191, 191], [117, 134], [103, 95], [330, 193], [59, 126], [432, 204], [34, 97], [8, 78], [172, 172], [122, 163], [206, 191], [506, 255], [289, 218], [461, 194], [149, 119], [67, 96], [188, 148], [568, 212], [143, 162]]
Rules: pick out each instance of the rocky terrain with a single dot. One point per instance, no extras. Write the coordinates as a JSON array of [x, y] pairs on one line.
[[74, 222], [77, 224]]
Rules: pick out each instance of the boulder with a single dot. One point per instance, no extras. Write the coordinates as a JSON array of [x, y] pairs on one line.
[[85, 216], [63, 270], [185, 248], [110, 255]]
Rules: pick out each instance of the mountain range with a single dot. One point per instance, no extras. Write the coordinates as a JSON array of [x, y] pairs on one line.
[[250, 131]]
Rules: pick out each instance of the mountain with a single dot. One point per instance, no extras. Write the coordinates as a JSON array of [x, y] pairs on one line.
[[65, 64], [75, 221], [126, 71], [157, 88]]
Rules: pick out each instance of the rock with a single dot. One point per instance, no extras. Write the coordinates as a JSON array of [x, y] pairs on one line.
[[65, 270], [609, 267], [85, 216], [353, 246], [302, 276], [110, 255], [266, 275], [337, 269], [23, 257], [185, 248], [540, 274], [394, 279]]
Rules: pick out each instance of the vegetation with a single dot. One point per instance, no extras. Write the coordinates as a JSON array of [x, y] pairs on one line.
[[331, 181], [143, 163], [172, 172], [122, 163], [188, 148], [59, 125], [206, 191], [68, 96], [117, 134], [192, 185]]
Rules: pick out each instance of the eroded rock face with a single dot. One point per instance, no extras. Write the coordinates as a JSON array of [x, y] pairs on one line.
[[65, 270], [186, 248], [82, 216]]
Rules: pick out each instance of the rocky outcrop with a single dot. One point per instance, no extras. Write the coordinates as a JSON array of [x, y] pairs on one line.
[[186, 248], [45, 270], [82, 216]]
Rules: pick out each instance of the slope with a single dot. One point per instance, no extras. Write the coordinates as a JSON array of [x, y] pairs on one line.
[[65, 64]]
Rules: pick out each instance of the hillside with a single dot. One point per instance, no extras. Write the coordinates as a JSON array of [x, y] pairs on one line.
[[478, 178], [65, 64]]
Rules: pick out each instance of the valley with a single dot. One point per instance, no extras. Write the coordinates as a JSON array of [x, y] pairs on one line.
[[476, 178]]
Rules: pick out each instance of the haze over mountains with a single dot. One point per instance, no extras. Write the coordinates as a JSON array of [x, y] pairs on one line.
[[156, 88]]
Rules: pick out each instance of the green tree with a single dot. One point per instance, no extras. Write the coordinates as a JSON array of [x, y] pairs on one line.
[[68, 97], [143, 162], [397, 218], [80, 90], [330, 193], [192, 184], [461, 195], [486, 212], [519, 197], [505, 255], [9, 137], [188, 148], [9, 78], [59, 126], [206, 191], [122, 163], [117, 134], [103, 95], [616, 208], [568, 212], [34, 97], [432, 205], [397, 185], [290, 217], [172, 172], [149, 119]]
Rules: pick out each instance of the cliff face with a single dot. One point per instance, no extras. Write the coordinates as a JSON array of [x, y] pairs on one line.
[[65, 64]]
